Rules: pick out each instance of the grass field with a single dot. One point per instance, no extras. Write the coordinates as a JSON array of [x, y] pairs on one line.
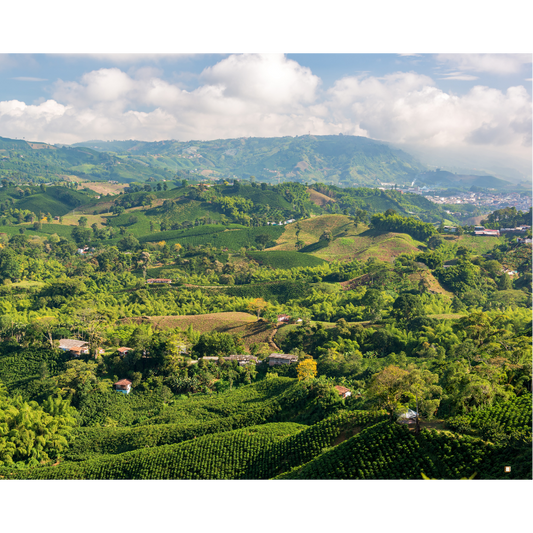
[[72, 220], [479, 244], [318, 198], [311, 229], [101, 187]]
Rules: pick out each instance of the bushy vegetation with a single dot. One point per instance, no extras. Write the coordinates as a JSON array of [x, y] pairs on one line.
[[398, 315]]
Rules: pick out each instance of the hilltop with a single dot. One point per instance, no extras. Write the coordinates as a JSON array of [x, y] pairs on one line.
[[348, 241]]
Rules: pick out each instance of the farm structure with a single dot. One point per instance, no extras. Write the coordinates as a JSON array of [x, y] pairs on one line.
[[488, 232], [241, 359], [75, 346], [123, 350], [286, 319], [158, 280], [124, 386], [282, 359], [343, 391]]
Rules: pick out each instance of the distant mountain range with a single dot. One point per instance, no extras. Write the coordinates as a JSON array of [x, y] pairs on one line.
[[342, 160], [445, 179]]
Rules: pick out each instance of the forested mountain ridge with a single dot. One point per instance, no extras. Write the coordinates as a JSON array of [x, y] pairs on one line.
[[342, 160]]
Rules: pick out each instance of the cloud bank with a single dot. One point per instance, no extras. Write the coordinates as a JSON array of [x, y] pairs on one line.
[[270, 95]]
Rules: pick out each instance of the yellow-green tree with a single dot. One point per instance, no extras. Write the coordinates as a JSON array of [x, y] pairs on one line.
[[388, 389], [306, 369], [257, 306]]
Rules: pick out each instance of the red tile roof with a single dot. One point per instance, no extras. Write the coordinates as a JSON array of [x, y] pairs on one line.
[[341, 389], [124, 382]]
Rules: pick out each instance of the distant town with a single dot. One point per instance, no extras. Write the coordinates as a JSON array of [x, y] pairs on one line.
[[491, 200]]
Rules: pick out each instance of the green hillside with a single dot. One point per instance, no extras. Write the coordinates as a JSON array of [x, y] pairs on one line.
[[345, 160]]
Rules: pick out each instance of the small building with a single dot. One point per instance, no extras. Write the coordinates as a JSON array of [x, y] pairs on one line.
[[343, 391], [124, 350], [75, 346], [488, 232], [283, 318], [243, 359], [282, 359], [208, 358], [124, 386], [158, 280]]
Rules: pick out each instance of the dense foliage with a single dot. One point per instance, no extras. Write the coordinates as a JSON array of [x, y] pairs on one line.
[[400, 315]]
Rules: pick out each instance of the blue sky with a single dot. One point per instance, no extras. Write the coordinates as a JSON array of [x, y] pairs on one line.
[[464, 110]]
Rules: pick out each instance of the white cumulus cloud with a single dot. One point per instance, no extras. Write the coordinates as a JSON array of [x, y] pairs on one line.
[[270, 95], [269, 79], [491, 63]]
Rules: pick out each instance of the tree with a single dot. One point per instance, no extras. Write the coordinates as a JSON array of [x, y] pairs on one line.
[[175, 347], [10, 267], [326, 236], [144, 260], [373, 301], [262, 240], [128, 244], [462, 251], [504, 282], [218, 344], [306, 369], [33, 434], [424, 392], [81, 235], [388, 389], [407, 306], [78, 379], [257, 306], [93, 324], [434, 242], [45, 327], [82, 221]]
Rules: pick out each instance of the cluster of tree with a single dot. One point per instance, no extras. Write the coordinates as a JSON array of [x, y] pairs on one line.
[[390, 221], [33, 434]]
